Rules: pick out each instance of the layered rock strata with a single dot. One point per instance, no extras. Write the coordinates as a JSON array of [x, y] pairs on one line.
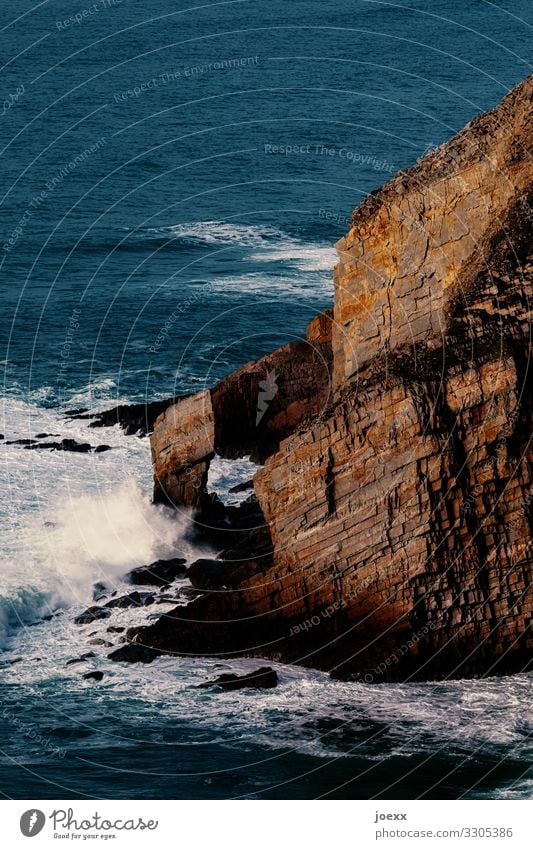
[[398, 505], [247, 413]]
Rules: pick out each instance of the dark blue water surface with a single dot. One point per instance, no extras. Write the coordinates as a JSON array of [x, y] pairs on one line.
[[173, 179]]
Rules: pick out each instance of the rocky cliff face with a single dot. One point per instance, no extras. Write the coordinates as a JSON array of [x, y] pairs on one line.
[[397, 495], [247, 413]]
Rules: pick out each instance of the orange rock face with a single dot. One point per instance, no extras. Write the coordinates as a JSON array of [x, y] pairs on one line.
[[182, 444], [399, 505], [424, 238]]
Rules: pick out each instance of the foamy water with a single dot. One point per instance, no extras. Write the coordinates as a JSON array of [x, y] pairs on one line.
[[71, 519]]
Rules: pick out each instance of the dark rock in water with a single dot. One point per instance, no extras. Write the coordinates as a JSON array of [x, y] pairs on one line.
[[101, 448], [44, 435], [94, 676], [81, 658], [161, 573], [207, 574], [134, 653], [98, 641], [74, 414], [242, 487], [134, 599], [100, 590], [22, 442], [48, 617], [91, 615], [115, 629], [4, 664], [133, 418], [2, 436], [64, 445], [72, 445], [264, 679]]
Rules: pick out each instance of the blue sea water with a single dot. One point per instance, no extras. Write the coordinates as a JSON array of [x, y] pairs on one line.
[[173, 180]]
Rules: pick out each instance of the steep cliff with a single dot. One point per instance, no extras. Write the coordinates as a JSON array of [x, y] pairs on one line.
[[397, 495]]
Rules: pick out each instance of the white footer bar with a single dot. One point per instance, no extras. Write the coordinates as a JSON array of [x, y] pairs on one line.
[[268, 824]]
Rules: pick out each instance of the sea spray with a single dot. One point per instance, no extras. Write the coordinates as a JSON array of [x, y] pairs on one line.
[[94, 537]]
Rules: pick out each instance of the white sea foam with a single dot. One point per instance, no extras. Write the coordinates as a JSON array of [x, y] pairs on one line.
[[225, 474], [271, 244], [281, 287], [71, 519], [301, 256], [221, 233]]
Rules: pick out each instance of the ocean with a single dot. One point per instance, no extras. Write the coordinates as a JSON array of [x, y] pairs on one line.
[[174, 180]]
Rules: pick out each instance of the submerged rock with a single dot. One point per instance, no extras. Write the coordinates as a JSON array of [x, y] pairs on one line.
[[4, 664], [94, 676], [80, 659], [242, 487], [264, 679]]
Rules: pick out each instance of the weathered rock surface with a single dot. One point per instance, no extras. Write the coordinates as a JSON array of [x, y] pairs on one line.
[[182, 446], [423, 240], [247, 413], [398, 508]]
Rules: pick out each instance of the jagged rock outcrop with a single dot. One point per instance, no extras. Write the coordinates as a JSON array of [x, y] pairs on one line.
[[247, 413], [399, 510]]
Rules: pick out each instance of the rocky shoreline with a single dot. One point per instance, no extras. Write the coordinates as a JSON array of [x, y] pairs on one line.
[[388, 535]]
